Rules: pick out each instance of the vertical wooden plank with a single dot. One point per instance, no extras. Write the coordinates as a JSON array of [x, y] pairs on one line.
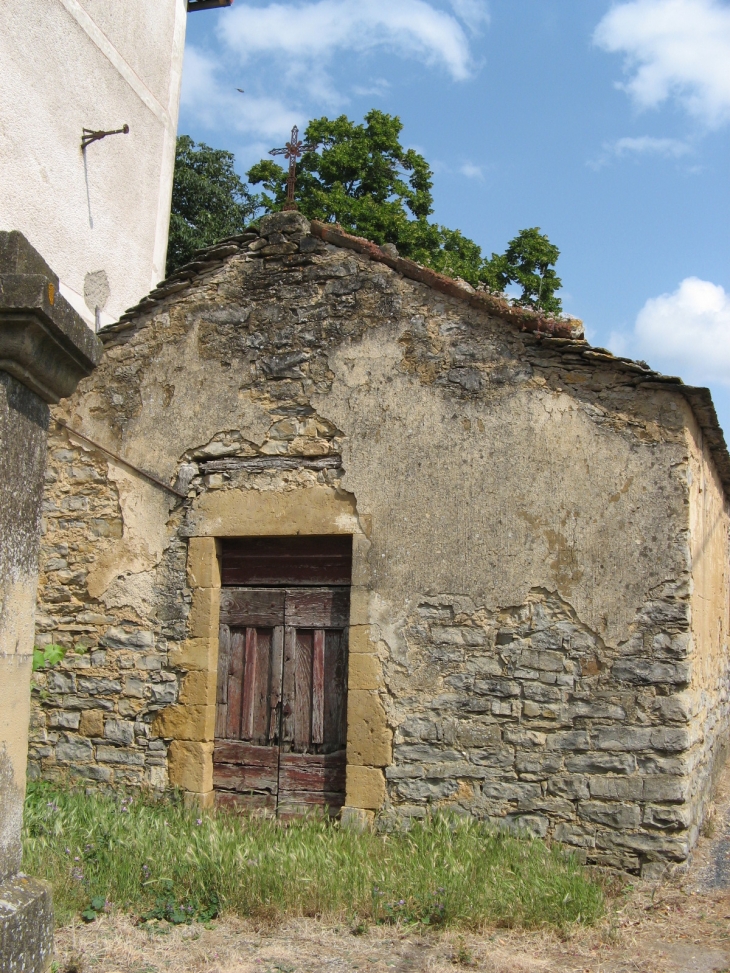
[[261, 686], [277, 663], [235, 684], [303, 689], [249, 685], [335, 694], [224, 648], [288, 690], [318, 686]]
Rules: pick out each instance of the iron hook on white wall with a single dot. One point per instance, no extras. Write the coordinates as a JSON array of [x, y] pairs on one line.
[[89, 135]]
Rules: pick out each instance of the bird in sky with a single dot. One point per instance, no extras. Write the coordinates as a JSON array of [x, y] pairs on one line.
[[241, 90]]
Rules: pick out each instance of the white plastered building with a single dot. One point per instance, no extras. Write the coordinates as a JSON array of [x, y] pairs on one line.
[[99, 217]]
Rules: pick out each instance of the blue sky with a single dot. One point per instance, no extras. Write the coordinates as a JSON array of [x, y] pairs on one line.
[[605, 123]]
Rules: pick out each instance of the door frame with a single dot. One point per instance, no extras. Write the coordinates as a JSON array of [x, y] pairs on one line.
[[189, 724]]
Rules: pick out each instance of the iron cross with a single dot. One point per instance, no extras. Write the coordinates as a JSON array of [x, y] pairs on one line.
[[292, 151]]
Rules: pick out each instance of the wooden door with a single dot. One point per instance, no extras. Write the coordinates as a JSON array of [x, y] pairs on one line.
[[282, 698]]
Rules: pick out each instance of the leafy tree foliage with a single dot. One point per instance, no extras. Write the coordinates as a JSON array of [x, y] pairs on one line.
[[209, 200], [361, 177], [528, 261]]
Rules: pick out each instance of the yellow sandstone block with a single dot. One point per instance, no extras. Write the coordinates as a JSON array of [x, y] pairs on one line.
[[369, 739], [359, 602], [190, 765], [359, 639], [185, 723], [204, 614], [92, 723], [365, 788], [198, 689], [203, 564], [364, 672], [202, 801], [195, 654]]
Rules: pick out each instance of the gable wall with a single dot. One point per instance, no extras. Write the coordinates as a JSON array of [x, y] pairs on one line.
[[523, 568]]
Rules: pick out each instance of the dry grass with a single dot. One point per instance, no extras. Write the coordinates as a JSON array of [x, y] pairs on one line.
[[646, 931]]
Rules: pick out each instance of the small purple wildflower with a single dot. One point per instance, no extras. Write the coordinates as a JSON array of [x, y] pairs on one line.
[[199, 821], [77, 875]]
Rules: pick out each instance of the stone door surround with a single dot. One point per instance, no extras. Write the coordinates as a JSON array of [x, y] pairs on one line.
[[190, 723]]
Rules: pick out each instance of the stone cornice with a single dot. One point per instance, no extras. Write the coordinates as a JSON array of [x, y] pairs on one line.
[[44, 343]]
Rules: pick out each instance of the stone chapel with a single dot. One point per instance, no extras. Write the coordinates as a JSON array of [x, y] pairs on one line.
[[326, 529]]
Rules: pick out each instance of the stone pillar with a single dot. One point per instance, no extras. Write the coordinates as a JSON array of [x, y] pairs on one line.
[[45, 349]]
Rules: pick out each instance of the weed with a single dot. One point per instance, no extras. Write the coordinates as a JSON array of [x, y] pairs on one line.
[[463, 955], [95, 908], [153, 859]]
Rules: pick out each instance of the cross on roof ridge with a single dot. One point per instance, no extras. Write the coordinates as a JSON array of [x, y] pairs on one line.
[[292, 151]]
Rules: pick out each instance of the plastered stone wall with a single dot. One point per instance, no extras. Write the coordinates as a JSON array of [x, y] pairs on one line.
[[523, 632]]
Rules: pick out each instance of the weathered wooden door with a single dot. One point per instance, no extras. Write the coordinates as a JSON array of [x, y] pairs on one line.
[[282, 686]]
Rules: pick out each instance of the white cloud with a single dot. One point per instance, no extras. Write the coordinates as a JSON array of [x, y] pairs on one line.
[[474, 13], [307, 33], [641, 146], [673, 48], [647, 145], [471, 171], [685, 333], [213, 101]]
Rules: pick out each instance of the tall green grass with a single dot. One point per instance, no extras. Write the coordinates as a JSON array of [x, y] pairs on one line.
[[133, 852]]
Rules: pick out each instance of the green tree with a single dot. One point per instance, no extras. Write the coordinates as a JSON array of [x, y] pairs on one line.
[[529, 262], [361, 177], [209, 200]]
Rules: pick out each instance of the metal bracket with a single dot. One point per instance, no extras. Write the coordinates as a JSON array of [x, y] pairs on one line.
[[207, 4], [89, 135]]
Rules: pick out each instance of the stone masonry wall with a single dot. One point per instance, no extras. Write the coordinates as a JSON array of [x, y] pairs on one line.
[[526, 635]]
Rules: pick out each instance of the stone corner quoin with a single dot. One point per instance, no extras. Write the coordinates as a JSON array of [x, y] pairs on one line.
[[539, 610]]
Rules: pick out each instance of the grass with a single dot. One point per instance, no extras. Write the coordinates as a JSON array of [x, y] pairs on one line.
[[161, 860]]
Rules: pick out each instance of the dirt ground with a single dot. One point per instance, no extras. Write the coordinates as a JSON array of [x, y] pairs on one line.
[[681, 926]]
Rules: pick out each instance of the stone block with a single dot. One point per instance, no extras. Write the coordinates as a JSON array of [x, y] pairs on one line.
[[359, 606], [571, 786], [569, 740], [199, 654], [136, 639], [92, 723], [601, 763], [573, 834], [625, 738], [26, 926], [360, 563], [618, 816], [203, 567], [676, 818], [365, 787], [359, 640], [356, 819], [190, 765], [617, 788], [75, 750], [119, 731], [199, 689], [185, 723], [59, 719], [525, 739], [671, 738], [369, 739], [203, 801], [99, 686], [204, 613], [119, 755], [365, 672], [666, 788], [645, 672]]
